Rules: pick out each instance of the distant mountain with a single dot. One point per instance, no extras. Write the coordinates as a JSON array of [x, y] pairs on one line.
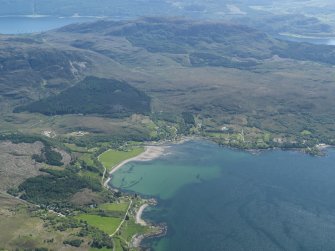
[[298, 16], [35, 66], [206, 43], [226, 72]]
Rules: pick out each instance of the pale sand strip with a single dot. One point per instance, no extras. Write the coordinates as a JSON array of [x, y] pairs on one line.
[[139, 213], [150, 153]]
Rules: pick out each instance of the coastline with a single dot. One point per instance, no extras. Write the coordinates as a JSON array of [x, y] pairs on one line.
[[138, 238], [151, 152], [155, 149], [138, 218], [157, 230]]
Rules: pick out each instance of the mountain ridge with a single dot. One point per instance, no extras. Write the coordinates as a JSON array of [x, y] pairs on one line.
[[223, 73]]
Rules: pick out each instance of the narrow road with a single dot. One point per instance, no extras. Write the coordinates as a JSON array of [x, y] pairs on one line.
[[124, 218]]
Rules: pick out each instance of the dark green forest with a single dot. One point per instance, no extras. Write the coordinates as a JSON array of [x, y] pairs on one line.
[[56, 187], [93, 96]]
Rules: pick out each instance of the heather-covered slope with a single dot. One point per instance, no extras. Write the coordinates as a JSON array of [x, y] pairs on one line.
[[222, 73]]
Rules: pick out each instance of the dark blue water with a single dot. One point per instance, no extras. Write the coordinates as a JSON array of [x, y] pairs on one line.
[[276, 200], [21, 24], [324, 41]]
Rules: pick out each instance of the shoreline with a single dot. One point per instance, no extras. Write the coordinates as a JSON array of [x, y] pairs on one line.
[[151, 152], [160, 231], [157, 230], [155, 149], [138, 218]]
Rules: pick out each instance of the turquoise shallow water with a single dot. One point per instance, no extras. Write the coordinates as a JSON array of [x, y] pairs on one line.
[[214, 198]]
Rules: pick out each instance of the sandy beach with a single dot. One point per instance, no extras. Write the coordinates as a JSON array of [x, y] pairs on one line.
[[150, 153], [139, 213]]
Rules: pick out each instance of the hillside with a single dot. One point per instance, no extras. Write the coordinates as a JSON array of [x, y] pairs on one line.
[[24, 66], [206, 43], [93, 96], [31, 68], [78, 102], [299, 17], [222, 73]]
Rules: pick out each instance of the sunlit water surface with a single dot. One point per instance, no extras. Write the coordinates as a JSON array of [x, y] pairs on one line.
[[214, 198]]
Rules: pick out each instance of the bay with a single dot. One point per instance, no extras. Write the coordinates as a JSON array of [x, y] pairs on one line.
[[214, 198]]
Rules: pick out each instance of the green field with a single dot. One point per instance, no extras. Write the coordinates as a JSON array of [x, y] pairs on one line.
[[87, 159], [75, 148], [130, 228], [90, 175], [106, 224], [115, 207], [100, 249], [112, 157]]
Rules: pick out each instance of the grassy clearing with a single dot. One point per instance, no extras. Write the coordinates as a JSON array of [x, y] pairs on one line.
[[130, 228], [75, 148], [115, 207], [106, 224], [87, 159], [100, 249], [216, 135], [90, 175], [112, 158], [118, 245]]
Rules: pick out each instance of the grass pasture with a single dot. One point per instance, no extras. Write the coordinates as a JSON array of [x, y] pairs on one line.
[[106, 224], [130, 228], [100, 249], [115, 207], [112, 158], [75, 148], [87, 159]]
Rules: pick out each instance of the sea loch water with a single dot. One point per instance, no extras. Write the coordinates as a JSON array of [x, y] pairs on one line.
[[215, 198], [33, 24]]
